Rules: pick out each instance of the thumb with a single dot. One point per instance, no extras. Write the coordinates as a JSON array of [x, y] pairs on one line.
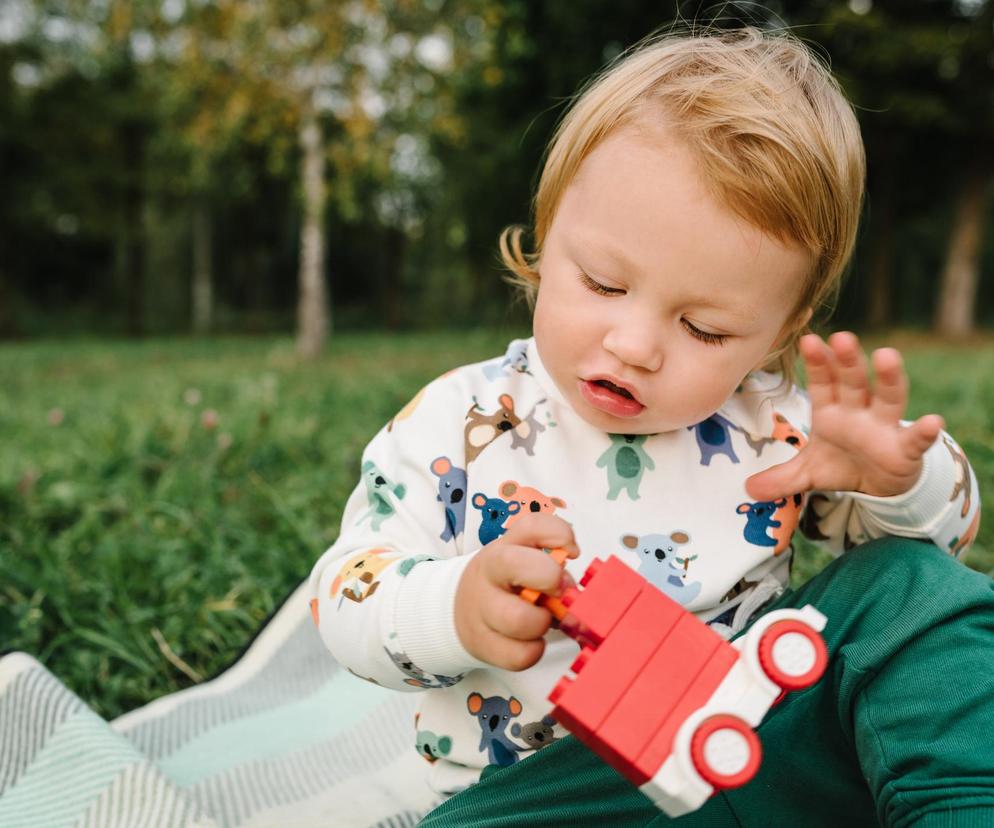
[[782, 480]]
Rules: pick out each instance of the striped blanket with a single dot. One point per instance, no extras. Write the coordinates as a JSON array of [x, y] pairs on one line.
[[284, 738]]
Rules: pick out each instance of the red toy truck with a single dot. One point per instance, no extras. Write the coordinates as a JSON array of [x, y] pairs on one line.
[[664, 699]]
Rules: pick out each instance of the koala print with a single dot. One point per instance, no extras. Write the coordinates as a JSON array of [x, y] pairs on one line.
[[536, 735], [379, 491], [516, 359], [778, 516], [493, 715], [531, 500], [358, 577], [416, 677], [482, 429], [714, 436], [526, 432], [626, 461], [431, 745], [452, 493], [495, 513], [783, 432], [660, 565]]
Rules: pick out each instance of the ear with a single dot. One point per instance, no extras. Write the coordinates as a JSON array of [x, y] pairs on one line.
[[507, 401], [743, 508], [513, 507], [475, 703], [558, 502], [508, 488], [444, 745], [514, 706], [441, 465], [479, 500], [680, 537], [631, 541]]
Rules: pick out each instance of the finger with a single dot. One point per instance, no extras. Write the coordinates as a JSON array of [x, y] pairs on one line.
[[782, 480], [853, 387], [508, 653], [890, 394], [511, 617], [918, 437], [818, 366], [511, 567], [542, 531]]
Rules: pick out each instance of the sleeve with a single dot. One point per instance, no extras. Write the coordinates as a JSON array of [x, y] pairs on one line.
[[383, 595], [943, 506]]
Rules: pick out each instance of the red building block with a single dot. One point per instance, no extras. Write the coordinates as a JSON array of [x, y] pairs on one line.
[[610, 589], [674, 675], [606, 672]]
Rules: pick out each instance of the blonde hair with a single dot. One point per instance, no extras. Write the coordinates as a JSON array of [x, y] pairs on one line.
[[776, 140]]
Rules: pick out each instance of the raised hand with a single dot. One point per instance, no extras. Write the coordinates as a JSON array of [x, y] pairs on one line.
[[857, 443]]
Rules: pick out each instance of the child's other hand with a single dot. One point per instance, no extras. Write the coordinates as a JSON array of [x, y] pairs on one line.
[[492, 622], [856, 443]]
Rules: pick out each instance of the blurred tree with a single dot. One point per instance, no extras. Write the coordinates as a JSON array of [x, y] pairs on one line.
[[346, 77], [922, 78]]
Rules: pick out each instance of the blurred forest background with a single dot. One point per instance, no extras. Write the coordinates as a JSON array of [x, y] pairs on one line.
[[257, 166]]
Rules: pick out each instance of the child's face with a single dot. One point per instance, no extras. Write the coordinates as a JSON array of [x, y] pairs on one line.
[[641, 266]]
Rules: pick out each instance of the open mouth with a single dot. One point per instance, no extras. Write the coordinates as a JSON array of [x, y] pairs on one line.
[[610, 386]]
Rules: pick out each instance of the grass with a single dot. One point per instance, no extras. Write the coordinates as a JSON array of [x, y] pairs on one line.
[[158, 500]]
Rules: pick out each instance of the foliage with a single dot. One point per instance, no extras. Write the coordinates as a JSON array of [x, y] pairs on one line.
[[181, 489]]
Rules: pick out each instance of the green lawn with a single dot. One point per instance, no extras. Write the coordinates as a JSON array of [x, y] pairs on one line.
[[158, 500]]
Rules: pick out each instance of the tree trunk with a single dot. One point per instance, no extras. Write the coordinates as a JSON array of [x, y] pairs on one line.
[[134, 227], [881, 254], [955, 313], [313, 322], [203, 277]]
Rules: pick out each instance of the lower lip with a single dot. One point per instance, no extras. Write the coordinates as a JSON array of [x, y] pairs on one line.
[[606, 400]]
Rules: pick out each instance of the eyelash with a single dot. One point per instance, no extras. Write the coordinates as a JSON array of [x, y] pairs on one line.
[[703, 336]]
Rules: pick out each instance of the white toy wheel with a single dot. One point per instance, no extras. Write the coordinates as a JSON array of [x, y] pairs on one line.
[[725, 751], [792, 654]]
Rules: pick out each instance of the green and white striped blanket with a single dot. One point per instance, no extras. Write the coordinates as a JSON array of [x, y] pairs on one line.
[[284, 738]]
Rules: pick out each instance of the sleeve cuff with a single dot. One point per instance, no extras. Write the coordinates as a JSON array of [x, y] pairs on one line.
[[924, 505], [424, 618]]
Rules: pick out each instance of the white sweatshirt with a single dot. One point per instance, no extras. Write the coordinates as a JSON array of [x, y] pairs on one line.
[[486, 443]]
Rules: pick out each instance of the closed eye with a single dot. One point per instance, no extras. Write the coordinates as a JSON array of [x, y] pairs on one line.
[[598, 288], [703, 336]]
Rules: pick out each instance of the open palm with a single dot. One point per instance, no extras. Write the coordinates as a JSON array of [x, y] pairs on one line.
[[857, 441]]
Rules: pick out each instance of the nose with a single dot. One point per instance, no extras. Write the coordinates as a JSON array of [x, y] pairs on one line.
[[636, 343]]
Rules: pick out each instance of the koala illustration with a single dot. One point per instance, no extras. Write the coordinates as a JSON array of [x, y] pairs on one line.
[[661, 567], [783, 432], [483, 429], [780, 516], [964, 483], [531, 500], [526, 432], [379, 491], [358, 578], [408, 409], [495, 513], [431, 745], [452, 493], [416, 677], [516, 359], [536, 735], [494, 714], [714, 437], [626, 462], [957, 545]]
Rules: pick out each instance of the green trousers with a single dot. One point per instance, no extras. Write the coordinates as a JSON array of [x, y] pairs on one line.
[[898, 732]]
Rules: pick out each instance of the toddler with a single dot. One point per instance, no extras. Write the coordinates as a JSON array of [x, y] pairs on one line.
[[698, 203]]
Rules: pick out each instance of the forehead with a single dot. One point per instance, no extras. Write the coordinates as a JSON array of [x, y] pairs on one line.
[[639, 203]]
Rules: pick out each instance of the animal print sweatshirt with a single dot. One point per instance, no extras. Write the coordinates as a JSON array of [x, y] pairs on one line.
[[485, 444]]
